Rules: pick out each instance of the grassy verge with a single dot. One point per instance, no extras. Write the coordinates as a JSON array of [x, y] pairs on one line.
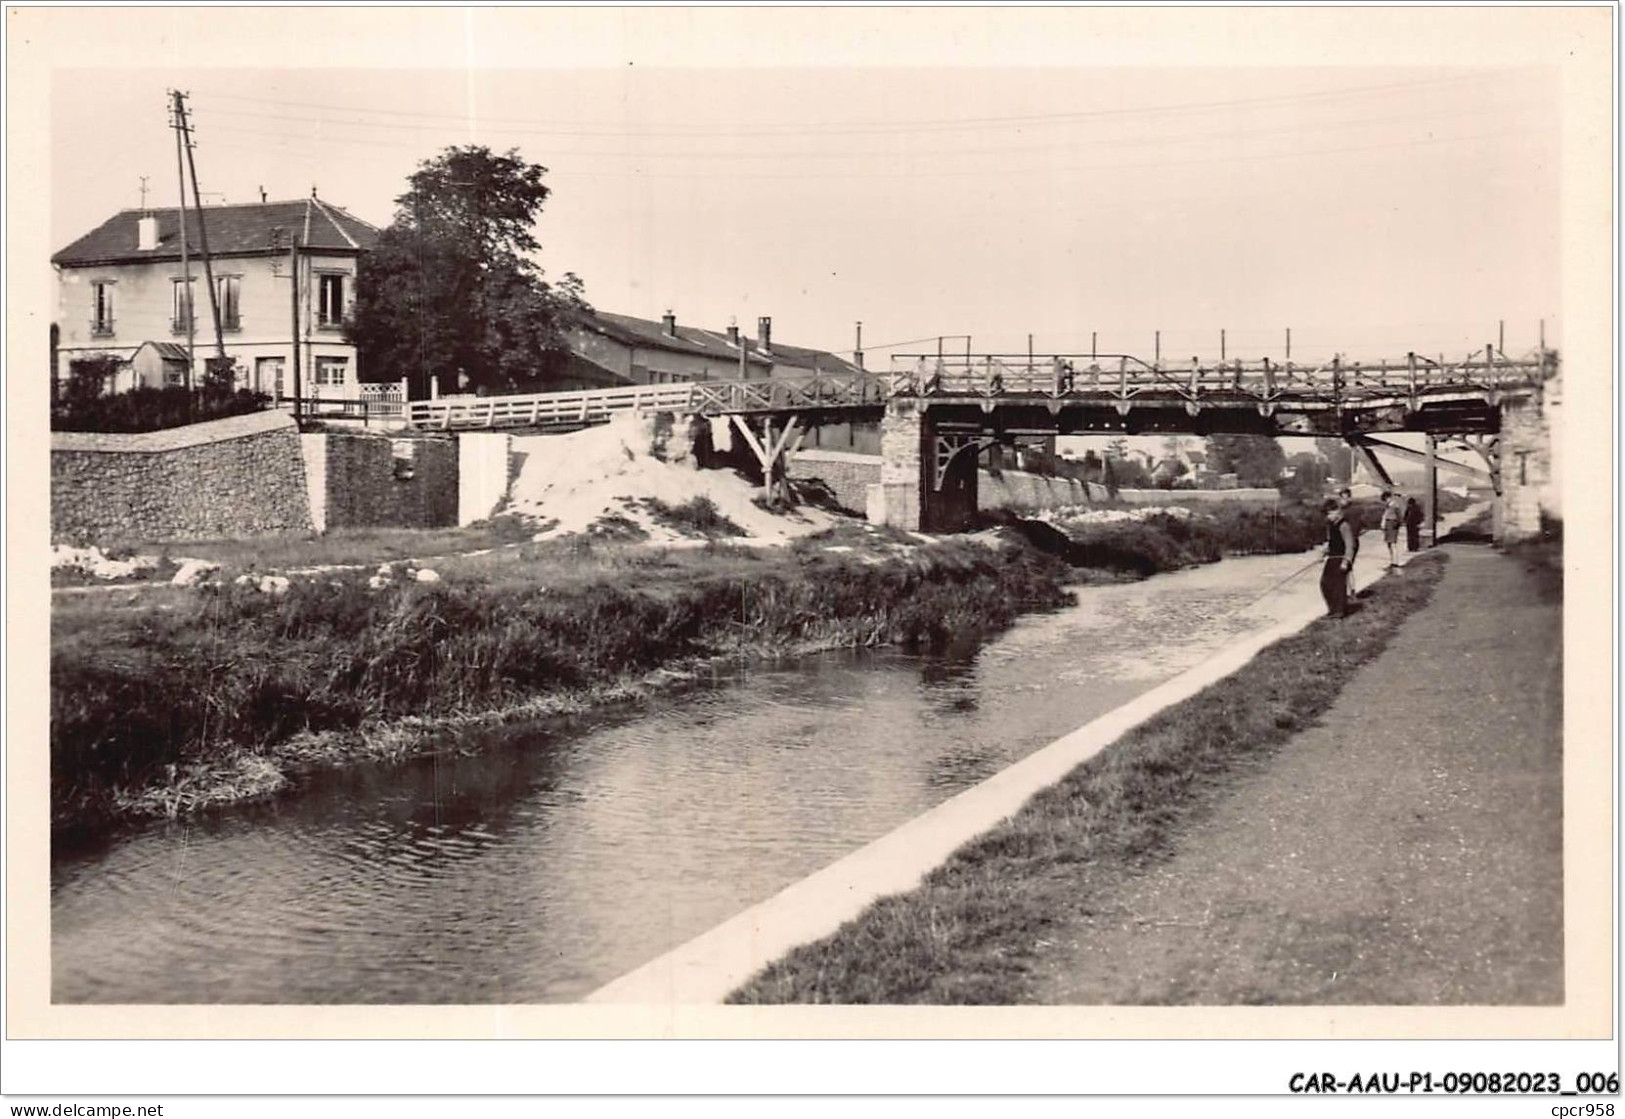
[[343, 546], [1542, 558], [181, 698], [967, 934], [1141, 542]]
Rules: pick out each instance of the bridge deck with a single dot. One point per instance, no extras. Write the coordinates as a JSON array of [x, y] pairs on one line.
[[1055, 382]]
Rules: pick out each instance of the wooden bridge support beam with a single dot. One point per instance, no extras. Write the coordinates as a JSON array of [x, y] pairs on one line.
[[1362, 447], [771, 450], [1377, 443]]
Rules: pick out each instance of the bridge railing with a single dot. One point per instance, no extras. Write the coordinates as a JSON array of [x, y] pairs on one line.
[[586, 406], [821, 390], [548, 409], [1125, 377], [1115, 377]]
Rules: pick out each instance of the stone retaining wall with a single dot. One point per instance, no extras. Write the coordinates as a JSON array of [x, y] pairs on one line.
[[1197, 497], [241, 476], [374, 481], [1020, 491], [847, 475]]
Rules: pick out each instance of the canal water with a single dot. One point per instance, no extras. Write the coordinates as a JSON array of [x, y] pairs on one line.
[[555, 857]]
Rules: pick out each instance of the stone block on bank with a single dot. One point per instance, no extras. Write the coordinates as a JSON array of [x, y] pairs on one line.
[[193, 572]]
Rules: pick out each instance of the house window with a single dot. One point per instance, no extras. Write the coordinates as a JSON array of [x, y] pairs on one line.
[[331, 370], [101, 316], [330, 308], [226, 290], [180, 316]]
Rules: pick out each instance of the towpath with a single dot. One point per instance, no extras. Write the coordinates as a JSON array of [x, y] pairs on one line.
[[1405, 850]]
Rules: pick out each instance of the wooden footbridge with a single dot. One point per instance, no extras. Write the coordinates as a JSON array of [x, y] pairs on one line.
[[1099, 392], [935, 408]]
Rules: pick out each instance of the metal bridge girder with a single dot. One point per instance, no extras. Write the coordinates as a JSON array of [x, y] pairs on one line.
[[947, 446]]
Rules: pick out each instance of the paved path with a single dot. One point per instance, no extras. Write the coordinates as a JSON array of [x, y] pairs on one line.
[[1406, 850]]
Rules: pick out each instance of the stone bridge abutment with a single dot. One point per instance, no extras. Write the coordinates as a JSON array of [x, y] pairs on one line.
[[927, 478]]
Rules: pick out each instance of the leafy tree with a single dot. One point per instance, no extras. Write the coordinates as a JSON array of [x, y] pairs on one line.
[[1168, 472], [1130, 474], [89, 379], [1124, 472], [1255, 460], [1309, 479], [1339, 458], [452, 289]]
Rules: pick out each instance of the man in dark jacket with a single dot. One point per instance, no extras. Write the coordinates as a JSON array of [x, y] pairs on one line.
[[1341, 544], [1413, 525]]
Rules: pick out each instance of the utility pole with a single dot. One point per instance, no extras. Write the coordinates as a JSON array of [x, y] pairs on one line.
[[293, 286], [184, 131], [857, 354], [186, 266], [1430, 487]]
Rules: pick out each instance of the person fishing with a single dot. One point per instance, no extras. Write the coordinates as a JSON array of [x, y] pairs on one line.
[[1341, 546], [1345, 501]]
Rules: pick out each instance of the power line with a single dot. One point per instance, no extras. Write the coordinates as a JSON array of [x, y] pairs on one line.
[[677, 129], [845, 172], [1226, 136]]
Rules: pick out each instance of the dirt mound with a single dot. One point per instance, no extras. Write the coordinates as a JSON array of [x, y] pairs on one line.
[[605, 480]]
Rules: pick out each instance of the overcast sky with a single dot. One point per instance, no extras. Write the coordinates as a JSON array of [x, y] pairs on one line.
[[1372, 209]]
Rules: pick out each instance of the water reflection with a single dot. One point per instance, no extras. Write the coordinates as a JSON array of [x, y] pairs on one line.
[[554, 857]]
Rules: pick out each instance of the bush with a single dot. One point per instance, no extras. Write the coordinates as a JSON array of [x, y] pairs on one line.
[[1167, 542], [698, 516], [84, 405]]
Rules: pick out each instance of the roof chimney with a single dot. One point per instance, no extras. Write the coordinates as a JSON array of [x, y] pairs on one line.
[[146, 233], [668, 322], [764, 332], [733, 331]]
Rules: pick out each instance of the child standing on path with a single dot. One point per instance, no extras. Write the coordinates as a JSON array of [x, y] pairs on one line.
[[1392, 513]]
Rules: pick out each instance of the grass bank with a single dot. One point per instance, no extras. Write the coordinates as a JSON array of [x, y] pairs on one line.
[[1138, 542], [180, 698], [968, 933]]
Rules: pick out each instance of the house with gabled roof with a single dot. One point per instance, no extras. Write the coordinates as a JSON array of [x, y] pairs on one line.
[[647, 352], [284, 278]]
